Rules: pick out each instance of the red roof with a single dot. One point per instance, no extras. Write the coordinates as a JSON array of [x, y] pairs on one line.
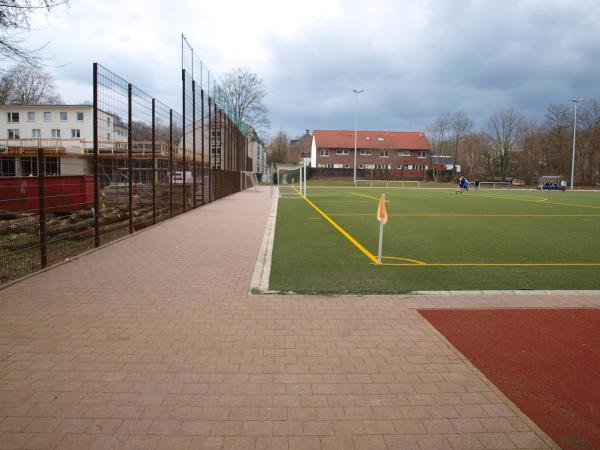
[[406, 140]]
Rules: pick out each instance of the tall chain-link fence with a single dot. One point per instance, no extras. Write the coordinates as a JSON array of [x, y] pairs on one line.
[[133, 162]]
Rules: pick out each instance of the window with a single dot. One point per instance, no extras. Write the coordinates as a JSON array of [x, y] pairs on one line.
[[341, 151], [420, 167], [365, 152], [31, 116], [384, 154], [29, 167], [36, 133], [55, 133], [75, 133], [13, 117], [421, 155], [346, 166], [63, 116], [403, 166], [324, 152], [360, 166], [7, 167], [80, 116], [13, 133], [52, 166], [108, 136], [108, 121], [403, 153], [47, 116]]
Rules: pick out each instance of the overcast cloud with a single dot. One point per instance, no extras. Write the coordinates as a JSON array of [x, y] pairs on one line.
[[415, 59]]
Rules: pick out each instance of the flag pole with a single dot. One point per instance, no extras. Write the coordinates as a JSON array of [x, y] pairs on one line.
[[382, 217], [380, 242]]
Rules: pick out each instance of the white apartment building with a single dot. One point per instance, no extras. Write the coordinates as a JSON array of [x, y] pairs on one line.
[[257, 152], [64, 131]]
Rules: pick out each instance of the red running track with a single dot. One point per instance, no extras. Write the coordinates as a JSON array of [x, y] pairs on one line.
[[547, 361]]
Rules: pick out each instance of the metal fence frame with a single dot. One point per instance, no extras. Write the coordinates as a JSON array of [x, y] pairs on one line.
[[204, 137]]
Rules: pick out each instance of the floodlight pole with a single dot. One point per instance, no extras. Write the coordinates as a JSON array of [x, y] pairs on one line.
[[575, 101], [356, 92]]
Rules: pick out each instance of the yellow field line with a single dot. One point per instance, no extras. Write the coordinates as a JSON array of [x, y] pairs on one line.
[[416, 261], [367, 196], [541, 200], [357, 244], [566, 264], [467, 215], [574, 204]]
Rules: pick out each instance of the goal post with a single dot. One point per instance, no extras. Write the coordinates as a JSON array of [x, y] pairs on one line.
[[291, 180], [248, 180]]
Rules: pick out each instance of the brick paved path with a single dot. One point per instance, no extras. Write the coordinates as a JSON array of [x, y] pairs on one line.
[[153, 342]]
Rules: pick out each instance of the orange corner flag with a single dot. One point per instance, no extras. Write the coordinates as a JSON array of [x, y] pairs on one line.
[[381, 212]]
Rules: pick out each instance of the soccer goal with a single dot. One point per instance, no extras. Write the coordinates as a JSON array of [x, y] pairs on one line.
[[388, 183], [248, 180], [291, 180], [493, 185], [550, 182]]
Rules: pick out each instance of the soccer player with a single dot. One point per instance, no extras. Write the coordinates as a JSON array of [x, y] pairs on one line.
[[461, 185]]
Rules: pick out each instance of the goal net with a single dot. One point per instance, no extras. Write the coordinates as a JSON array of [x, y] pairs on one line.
[[549, 182], [290, 180], [248, 180]]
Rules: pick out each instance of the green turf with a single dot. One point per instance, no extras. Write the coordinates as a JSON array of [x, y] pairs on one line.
[[437, 226]]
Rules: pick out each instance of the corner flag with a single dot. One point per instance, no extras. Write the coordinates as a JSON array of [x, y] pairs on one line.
[[382, 217], [381, 212]]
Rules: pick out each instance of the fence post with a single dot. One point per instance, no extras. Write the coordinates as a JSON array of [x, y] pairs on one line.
[[194, 140], [42, 206], [130, 155], [95, 161], [221, 144], [183, 137], [170, 163], [210, 124], [202, 139], [153, 161]]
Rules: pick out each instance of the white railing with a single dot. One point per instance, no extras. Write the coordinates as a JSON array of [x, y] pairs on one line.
[[493, 184], [386, 183]]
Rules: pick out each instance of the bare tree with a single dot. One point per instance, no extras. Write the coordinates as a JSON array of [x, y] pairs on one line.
[[557, 143], [245, 92], [530, 151], [28, 85], [14, 25], [502, 129], [438, 137], [589, 152], [279, 149], [460, 127], [471, 155]]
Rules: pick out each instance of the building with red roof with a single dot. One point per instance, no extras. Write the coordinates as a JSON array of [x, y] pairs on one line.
[[399, 154]]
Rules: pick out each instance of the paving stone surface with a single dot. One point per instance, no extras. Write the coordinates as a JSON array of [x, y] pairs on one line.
[[154, 342]]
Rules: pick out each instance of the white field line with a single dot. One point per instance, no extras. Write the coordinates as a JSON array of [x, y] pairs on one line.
[[262, 268]]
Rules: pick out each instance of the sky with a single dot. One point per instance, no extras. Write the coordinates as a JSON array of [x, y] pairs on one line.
[[415, 60]]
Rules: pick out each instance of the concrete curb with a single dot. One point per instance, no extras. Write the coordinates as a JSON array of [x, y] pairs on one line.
[[262, 268]]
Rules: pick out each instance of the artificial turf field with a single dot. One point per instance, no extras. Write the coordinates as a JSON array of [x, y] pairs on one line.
[[436, 239]]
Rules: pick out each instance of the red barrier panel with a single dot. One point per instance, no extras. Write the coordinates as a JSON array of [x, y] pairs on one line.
[[64, 193]]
